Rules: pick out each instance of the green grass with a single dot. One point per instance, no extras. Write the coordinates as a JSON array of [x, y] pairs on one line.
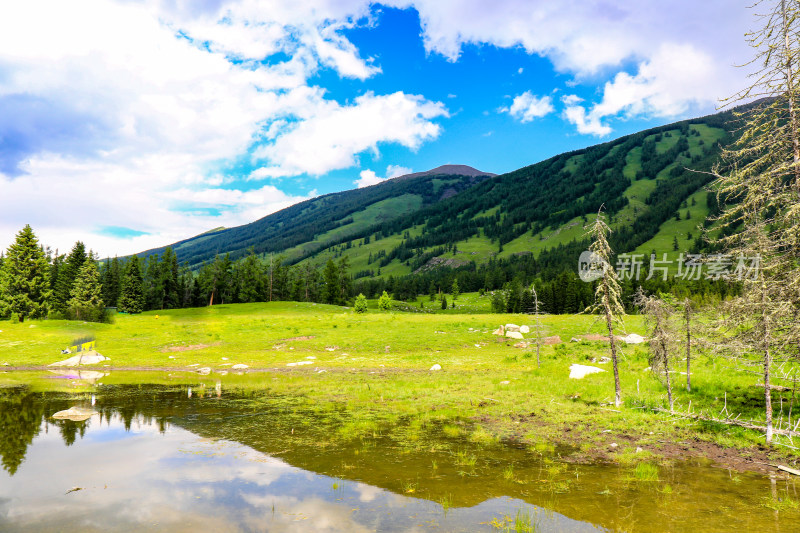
[[483, 377]]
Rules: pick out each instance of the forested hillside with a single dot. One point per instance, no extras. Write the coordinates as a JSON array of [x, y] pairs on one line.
[[420, 234], [305, 228]]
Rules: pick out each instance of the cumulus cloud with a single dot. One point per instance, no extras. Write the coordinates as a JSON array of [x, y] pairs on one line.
[[593, 39], [333, 137], [104, 101], [677, 79], [368, 177], [527, 107]]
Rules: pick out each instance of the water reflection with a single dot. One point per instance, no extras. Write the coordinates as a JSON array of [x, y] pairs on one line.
[[160, 458]]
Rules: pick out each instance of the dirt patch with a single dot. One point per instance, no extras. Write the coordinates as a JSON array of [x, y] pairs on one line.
[[555, 339], [188, 348], [302, 338], [760, 459]]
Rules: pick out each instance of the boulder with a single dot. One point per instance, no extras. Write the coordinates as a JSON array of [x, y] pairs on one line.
[[514, 335], [204, 371], [633, 338], [90, 357], [437, 366], [499, 331], [512, 327], [524, 329], [76, 414], [239, 366], [579, 371]]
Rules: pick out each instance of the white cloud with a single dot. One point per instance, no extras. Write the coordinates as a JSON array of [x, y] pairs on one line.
[[677, 79], [595, 39], [335, 134], [369, 178], [393, 171], [115, 107], [527, 107]]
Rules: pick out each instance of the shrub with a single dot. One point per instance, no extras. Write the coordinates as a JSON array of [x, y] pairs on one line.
[[361, 304]]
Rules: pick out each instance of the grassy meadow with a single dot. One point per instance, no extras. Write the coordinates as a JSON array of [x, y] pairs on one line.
[[377, 366]]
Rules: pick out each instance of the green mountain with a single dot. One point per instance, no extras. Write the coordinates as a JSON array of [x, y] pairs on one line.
[[650, 183], [304, 229]]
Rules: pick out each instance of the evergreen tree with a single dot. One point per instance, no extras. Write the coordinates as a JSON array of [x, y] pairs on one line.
[[384, 302], [168, 272], [112, 279], [131, 299], [345, 282], [86, 301], [444, 301], [454, 291], [361, 304], [24, 279], [66, 277], [332, 288]]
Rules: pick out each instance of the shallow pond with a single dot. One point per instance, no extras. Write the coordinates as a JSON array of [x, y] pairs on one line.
[[188, 456]]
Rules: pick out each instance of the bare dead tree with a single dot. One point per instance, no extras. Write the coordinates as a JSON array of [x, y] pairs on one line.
[[658, 316], [607, 295]]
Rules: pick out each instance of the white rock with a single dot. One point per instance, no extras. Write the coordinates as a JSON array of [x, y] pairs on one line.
[[437, 366], [613, 445], [633, 338], [514, 335], [240, 366], [222, 372], [291, 364], [506, 382], [524, 329], [311, 357], [204, 371], [224, 358], [76, 414], [579, 371], [512, 327], [573, 339], [605, 360], [499, 331], [639, 450], [88, 358]]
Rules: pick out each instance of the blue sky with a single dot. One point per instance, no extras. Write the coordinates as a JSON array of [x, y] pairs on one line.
[[132, 124]]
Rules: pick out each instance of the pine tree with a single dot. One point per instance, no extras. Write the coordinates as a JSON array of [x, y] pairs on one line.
[[444, 301], [86, 301], [454, 291], [168, 273], [66, 277], [607, 294], [360, 304], [332, 288], [131, 299], [384, 302], [24, 279]]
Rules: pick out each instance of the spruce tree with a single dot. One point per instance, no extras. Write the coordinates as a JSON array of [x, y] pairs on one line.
[[131, 299], [86, 301], [454, 291], [331, 277], [24, 279], [66, 277]]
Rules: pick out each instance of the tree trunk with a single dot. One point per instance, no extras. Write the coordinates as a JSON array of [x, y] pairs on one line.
[[665, 356], [767, 393], [688, 312], [790, 97], [612, 344]]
